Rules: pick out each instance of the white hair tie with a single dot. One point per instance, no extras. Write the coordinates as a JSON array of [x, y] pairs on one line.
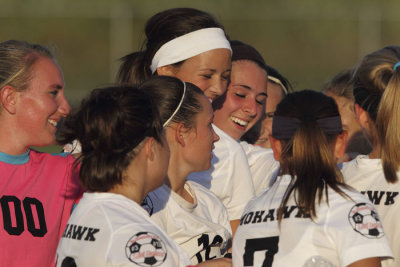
[[178, 107], [189, 45]]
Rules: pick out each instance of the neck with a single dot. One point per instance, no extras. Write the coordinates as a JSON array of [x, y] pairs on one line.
[[375, 153], [176, 181], [134, 180], [13, 150], [130, 192], [10, 143]]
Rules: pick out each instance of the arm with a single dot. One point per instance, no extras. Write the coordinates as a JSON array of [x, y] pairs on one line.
[[221, 262], [368, 262], [234, 226]]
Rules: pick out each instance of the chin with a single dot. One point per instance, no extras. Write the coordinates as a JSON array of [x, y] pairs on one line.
[[45, 143]]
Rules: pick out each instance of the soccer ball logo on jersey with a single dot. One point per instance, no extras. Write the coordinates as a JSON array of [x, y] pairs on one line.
[[146, 249], [365, 220]]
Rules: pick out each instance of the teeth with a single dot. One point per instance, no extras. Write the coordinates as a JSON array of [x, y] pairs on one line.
[[53, 122], [239, 121]]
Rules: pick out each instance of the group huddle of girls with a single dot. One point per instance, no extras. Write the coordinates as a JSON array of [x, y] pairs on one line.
[[199, 155]]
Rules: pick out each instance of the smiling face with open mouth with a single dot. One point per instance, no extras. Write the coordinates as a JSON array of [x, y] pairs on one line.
[[243, 103], [42, 104]]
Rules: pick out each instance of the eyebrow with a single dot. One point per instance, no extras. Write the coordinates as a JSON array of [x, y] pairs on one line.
[[57, 86]]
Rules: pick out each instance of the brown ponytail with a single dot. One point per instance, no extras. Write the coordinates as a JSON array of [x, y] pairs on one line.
[[134, 69], [307, 156]]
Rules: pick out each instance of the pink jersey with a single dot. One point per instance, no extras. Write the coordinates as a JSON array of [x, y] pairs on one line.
[[37, 194]]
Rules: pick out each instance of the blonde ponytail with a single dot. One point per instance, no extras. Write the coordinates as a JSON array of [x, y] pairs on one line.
[[376, 76], [388, 128]]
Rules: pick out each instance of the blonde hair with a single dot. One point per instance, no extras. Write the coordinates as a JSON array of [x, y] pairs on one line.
[[16, 60], [375, 76]]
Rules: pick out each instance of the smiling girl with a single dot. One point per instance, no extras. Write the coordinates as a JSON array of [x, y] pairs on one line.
[[38, 190], [235, 112], [185, 43]]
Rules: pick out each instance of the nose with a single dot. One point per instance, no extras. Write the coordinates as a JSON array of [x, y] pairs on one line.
[[219, 87], [64, 108], [250, 107]]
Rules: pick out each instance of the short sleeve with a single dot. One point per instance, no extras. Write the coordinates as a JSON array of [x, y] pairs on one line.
[[133, 246], [356, 229]]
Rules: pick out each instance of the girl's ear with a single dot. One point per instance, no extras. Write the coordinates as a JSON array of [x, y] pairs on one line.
[[148, 148], [340, 145], [8, 98], [362, 116], [176, 134], [276, 147], [167, 70], [180, 133]]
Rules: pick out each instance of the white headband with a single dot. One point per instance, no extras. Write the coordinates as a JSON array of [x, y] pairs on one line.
[[189, 45], [278, 82], [178, 107]]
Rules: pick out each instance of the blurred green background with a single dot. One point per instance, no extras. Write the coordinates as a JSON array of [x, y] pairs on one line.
[[308, 41]]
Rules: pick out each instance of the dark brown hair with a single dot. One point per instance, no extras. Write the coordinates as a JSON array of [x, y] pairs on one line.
[[166, 93], [110, 125]]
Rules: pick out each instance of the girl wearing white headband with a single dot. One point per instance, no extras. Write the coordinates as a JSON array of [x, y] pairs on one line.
[[185, 43], [124, 156], [189, 213]]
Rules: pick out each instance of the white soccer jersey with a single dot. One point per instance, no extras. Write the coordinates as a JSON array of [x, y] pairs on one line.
[[344, 231], [202, 229], [108, 229], [366, 175], [229, 177], [263, 166]]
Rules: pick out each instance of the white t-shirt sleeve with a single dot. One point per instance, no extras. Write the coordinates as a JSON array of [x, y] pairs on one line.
[[242, 184], [130, 247], [109, 230], [357, 231]]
